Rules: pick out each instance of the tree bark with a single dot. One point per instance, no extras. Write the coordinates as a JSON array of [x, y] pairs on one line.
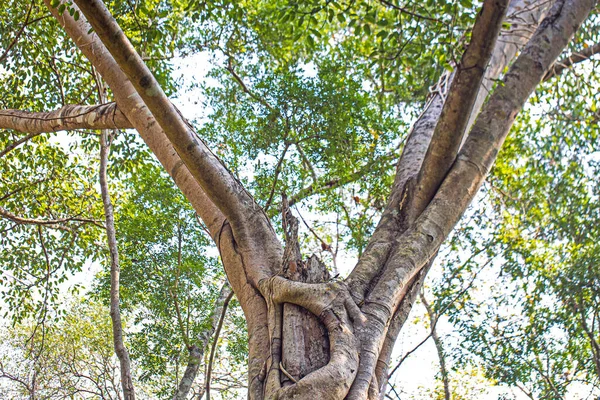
[[523, 17], [252, 302]]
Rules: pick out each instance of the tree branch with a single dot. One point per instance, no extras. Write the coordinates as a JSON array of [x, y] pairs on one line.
[[54, 223], [433, 320], [326, 184], [19, 32], [213, 350], [197, 352], [449, 130], [245, 88], [67, 118], [216, 180], [405, 11], [115, 268], [523, 18], [577, 57], [420, 242], [224, 190], [136, 112]]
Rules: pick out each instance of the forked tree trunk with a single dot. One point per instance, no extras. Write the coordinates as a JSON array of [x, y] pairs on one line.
[[333, 339]]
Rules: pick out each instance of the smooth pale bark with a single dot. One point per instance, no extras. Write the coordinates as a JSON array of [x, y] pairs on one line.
[[253, 304], [254, 234]]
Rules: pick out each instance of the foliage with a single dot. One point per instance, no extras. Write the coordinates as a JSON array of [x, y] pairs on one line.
[[70, 358]]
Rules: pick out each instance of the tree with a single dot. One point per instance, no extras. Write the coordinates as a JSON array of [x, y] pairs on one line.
[[355, 320]]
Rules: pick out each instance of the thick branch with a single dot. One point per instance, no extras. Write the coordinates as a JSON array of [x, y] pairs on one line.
[[393, 219], [421, 241], [523, 18], [67, 118], [215, 179], [449, 130], [136, 111], [218, 183]]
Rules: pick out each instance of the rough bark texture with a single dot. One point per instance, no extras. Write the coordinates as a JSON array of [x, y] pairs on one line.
[[104, 116], [305, 342], [70, 117]]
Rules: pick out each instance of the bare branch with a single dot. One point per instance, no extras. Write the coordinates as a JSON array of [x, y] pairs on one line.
[[577, 57], [380, 163], [115, 268], [408, 12], [276, 176], [54, 223], [433, 320]]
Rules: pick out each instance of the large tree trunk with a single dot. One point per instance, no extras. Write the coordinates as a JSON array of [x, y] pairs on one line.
[[310, 337]]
